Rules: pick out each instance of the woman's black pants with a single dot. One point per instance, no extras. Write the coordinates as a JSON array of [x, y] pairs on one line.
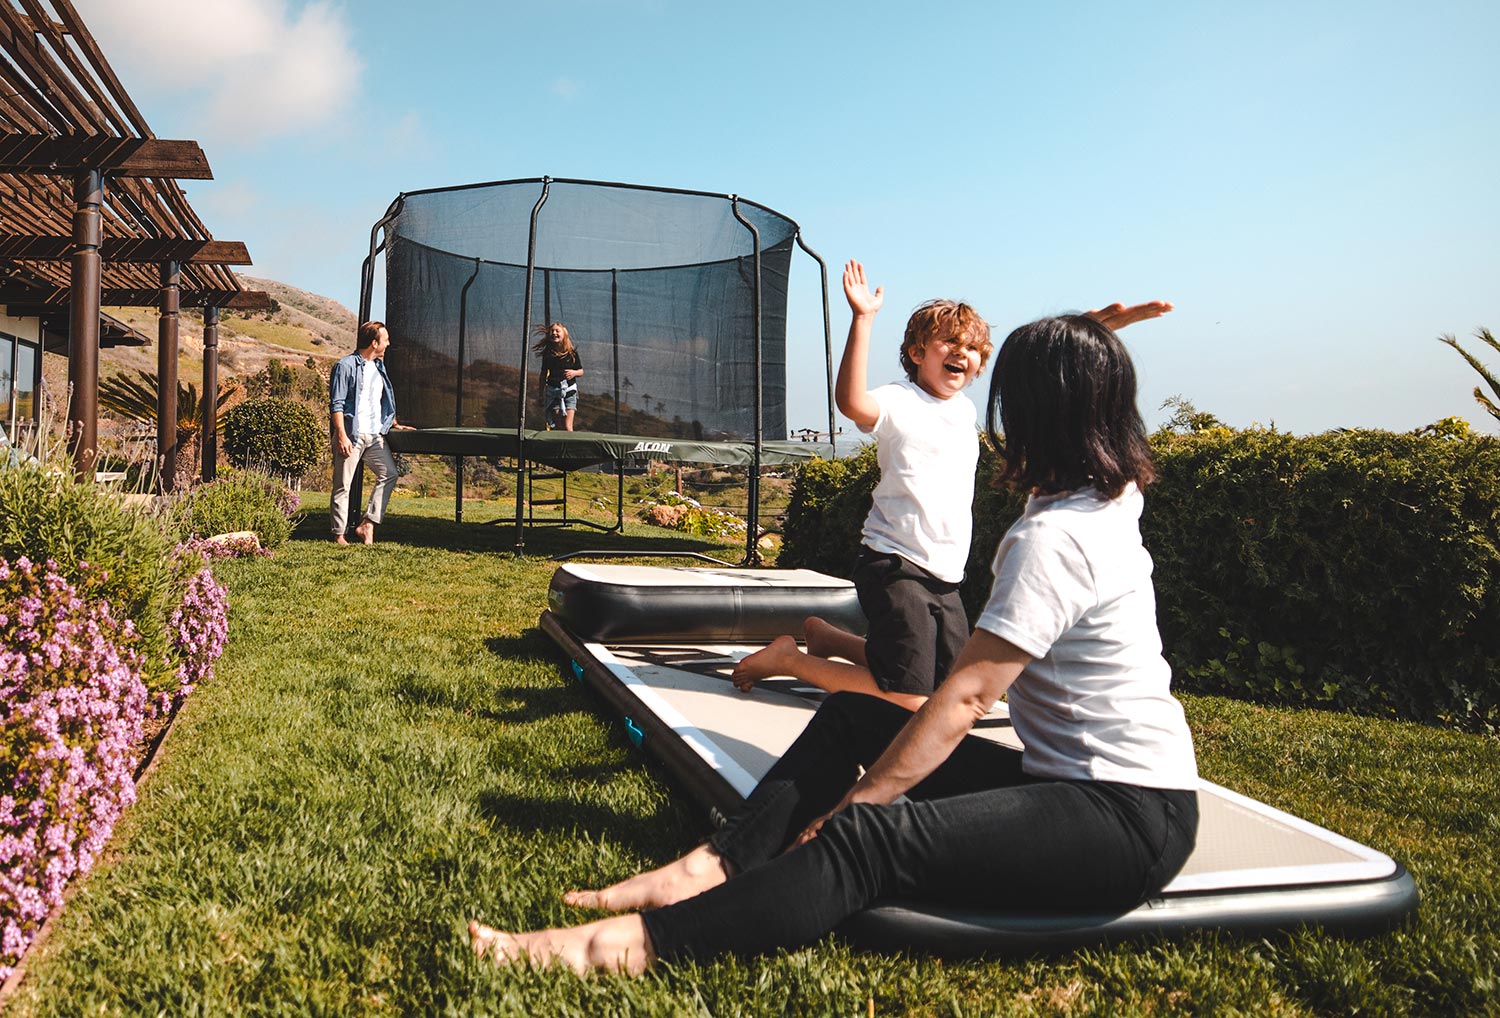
[[976, 832]]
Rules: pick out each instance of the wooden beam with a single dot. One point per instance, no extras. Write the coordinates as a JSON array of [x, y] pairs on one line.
[[231, 300], [129, 249], [70, 155]]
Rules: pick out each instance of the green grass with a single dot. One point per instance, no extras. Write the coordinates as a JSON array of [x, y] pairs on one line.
[[390, 748]]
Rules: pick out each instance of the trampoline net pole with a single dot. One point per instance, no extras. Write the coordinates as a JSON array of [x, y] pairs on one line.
[[752, 514], [827, 339], [521, 381]]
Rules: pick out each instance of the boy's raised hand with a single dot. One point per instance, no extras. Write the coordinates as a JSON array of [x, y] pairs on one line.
[[861, 300], [1117, 316]]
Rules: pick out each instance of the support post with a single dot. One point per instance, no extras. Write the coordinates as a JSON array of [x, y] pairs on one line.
[[752, 514], [83, 324], [458, 393], [209, 440], [166, 374], [521, 387], [827, 339]]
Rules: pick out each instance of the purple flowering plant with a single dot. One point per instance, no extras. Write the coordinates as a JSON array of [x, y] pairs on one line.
[[72, 707]]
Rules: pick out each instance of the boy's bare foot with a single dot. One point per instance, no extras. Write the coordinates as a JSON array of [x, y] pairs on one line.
[[777, 659], [694, 873], [618, 944], [826, 640], [339, 539], [366, 532]]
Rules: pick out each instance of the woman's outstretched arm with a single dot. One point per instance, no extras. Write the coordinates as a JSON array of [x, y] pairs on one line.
[[982, 674]]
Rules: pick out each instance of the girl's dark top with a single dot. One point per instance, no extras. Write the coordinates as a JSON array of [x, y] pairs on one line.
[[554, 364]]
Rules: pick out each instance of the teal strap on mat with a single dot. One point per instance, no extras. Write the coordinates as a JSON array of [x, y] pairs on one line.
[[633, 733], [577, 670]]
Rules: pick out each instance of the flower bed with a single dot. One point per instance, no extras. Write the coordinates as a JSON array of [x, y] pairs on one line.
[[72, 706]]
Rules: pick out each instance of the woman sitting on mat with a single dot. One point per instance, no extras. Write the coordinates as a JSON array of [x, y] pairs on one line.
[[561, 370], [1098, 813]]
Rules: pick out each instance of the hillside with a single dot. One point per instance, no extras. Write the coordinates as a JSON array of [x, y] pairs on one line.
[[300, 325]]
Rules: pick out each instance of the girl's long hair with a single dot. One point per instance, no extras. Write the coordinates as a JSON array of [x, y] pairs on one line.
[[544, 344], [1062, 409]]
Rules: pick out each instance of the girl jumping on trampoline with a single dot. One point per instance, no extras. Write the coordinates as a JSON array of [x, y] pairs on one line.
[[561, 370], [1098, 813]]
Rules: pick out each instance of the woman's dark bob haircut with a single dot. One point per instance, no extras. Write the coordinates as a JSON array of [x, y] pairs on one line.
[[1062, 410]]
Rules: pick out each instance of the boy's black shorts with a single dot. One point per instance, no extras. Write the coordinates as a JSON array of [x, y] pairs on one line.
[[917, 623]]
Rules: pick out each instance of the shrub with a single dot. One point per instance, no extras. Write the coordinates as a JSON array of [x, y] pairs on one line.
[[826, 512], [276, 434], [198, 626], [679, 512], [242, 500], [72, 703], [112, 552], [1355, 570]]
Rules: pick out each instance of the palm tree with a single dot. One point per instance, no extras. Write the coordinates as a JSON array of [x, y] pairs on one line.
[[135, 400], [1483, 335]]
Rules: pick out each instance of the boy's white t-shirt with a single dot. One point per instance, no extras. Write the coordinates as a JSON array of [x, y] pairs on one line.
[[928, 449], [1073, 589]]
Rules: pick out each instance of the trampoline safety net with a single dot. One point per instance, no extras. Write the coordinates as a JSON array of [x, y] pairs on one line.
[[656, 288]]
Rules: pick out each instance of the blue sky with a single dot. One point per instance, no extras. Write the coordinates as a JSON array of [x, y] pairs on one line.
[[1313, 185]]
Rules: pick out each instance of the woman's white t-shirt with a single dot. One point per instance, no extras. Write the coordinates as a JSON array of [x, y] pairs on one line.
[[1073, 590], [923, 506]]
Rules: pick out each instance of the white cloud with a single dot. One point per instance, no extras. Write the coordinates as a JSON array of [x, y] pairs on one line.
[[567, 88], [246, 69]]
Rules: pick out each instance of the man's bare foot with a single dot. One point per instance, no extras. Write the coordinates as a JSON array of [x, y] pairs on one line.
[[694, 873], [618, 944], [777, 659], [339, 539], [366, 532]]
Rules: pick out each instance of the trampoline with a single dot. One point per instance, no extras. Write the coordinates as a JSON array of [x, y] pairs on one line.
[[675, 299], [657, 645]]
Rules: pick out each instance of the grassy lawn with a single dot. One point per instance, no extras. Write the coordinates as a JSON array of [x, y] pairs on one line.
[[390, 748]]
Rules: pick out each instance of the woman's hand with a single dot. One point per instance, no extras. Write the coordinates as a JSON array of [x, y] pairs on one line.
[[861, 301], [1116, 316], [811, 830]]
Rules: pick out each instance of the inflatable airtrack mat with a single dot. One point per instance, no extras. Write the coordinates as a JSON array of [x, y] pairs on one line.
[[644, 639]]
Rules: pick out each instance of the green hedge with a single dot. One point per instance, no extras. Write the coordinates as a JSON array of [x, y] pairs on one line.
[[1355, 570]]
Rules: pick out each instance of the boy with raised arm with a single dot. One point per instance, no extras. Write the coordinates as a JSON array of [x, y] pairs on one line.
[[916, 536]]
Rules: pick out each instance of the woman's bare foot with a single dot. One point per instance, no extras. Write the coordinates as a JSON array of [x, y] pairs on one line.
[[618, 944], [339, 539], [366, 532], [824, 639], [692, 874], [777, 659]]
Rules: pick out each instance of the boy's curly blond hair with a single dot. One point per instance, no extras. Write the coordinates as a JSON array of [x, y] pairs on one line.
[[940, 319]]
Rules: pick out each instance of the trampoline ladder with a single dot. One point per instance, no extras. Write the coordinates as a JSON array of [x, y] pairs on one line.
[[532, 476]]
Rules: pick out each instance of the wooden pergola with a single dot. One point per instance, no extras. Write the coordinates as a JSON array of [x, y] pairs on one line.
[[91, 215]]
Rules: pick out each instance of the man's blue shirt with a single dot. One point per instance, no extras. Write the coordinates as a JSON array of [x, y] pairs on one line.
[[343, 394]]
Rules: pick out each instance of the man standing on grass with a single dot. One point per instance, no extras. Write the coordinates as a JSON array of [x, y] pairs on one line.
[[361, 409]]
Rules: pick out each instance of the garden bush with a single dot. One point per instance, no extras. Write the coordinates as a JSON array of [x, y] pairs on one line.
[[72, 706], [275, 434], [241, 500], [679, 512], [826, 513], [1355, 570], [112, 552]]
